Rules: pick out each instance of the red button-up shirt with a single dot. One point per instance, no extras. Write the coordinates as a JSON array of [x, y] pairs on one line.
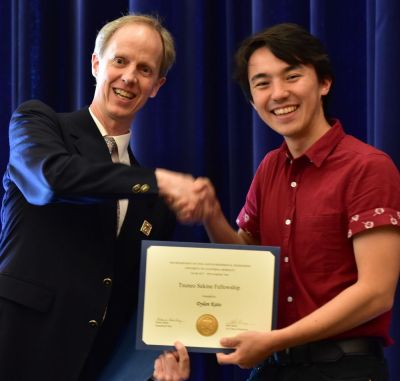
[[311, 207]]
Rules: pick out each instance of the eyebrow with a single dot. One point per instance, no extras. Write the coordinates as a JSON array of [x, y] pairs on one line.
[[286, 70]]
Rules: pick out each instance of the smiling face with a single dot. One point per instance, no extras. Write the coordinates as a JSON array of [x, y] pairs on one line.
[[288, 98], [127, 74]]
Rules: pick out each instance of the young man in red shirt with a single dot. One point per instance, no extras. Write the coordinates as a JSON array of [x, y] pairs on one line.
[[332, 204]]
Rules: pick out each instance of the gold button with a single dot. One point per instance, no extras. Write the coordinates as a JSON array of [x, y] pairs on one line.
[[93, 323], [144, 188], [136, 188], [107, 281]]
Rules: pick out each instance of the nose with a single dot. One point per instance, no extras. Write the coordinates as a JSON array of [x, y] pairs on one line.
[[279, 91], [129, 76]]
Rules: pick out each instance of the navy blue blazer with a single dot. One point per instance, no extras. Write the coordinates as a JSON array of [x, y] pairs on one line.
[[67, 284]]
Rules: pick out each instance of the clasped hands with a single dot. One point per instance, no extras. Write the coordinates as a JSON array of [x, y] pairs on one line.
[[192, 200]]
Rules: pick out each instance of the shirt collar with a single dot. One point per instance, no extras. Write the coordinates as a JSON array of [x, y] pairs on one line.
[[321, 149], [121, 140]]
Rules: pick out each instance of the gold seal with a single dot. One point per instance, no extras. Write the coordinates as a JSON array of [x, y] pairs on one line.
[[207, 325]]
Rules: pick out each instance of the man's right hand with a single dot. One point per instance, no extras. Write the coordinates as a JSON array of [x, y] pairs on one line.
[[193, 200], [173, 365]]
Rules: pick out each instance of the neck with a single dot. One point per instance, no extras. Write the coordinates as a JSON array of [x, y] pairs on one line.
[[298, 145], [113, 127]]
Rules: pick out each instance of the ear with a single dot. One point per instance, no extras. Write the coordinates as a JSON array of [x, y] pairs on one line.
[[325, 86], [95, 65], [157, 86]]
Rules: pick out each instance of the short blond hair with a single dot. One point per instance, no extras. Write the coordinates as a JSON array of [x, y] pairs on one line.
[[108, 30]]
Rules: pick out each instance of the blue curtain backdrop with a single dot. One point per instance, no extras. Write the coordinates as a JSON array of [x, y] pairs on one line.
[[200, 122]]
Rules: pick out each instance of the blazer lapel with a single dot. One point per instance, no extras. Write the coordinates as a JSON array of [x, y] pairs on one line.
[[85, 136], [88, 142]]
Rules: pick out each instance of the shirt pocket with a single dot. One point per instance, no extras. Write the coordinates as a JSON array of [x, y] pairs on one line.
[[322, 244]]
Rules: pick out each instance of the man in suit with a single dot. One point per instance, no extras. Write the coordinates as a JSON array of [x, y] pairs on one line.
[[74, 216]]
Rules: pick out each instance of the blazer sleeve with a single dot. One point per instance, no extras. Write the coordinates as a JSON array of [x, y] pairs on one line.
[[47, 168]]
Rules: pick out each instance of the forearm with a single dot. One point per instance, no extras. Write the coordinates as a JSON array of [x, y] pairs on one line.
[[378, 264], [220, 231], [351, 308], [74, 179], [377, 259]]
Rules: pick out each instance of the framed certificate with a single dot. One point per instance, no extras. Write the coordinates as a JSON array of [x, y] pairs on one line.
[[198, 293]]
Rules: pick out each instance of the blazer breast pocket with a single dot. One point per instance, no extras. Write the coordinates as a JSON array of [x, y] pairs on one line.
[[25, 293]]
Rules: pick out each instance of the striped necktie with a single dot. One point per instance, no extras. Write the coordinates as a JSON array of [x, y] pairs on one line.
[[112, 148]]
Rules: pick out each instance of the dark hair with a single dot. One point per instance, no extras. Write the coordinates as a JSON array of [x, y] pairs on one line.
[[288, 42]]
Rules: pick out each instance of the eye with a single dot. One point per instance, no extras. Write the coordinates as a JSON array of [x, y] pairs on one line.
[[119, 61], [146, 70], [261, 84], [293, 77]]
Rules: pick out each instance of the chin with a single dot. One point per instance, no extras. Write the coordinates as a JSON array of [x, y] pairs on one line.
[[121, 112]]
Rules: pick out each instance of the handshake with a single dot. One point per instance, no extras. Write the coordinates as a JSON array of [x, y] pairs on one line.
[[192, 200]]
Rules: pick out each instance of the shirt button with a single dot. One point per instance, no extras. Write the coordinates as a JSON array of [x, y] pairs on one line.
[[290, 299], [93, 323], [286, 259], [107, 281], [293, 184], [288, 222]]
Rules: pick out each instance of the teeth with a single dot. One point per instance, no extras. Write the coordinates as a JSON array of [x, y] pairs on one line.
[[284, 110], [123, 93]]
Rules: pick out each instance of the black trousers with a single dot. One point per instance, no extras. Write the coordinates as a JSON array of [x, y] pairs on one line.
[[348, 368], [350, 360]]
